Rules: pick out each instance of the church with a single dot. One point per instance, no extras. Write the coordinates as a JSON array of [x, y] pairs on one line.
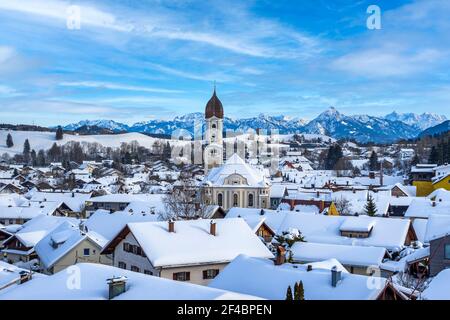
[[234, 183]]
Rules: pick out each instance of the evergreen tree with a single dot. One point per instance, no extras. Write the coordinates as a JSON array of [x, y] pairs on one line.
[[9, 141], [296, 291], [370, 207], [33, 157], [26, 151], [373, 162], [289, 294], [59, 133], [300, 291], [40, 160], [334, 154]]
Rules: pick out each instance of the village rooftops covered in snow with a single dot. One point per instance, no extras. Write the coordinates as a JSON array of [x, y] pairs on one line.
[[422, 208], [389, 233], [356, 259], [193, 250], [326, 280], [95, 282], [119, 202]]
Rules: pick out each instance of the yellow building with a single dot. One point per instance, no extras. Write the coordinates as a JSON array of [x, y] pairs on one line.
[[442, 183], [333, 211], [423, 188]]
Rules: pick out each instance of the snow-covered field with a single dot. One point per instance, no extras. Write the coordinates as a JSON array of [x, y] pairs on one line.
[[44, 140]]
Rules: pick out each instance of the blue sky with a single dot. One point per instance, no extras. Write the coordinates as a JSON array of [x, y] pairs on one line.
[[138, 60]]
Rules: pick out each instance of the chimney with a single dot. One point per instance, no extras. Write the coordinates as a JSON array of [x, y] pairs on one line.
[[281, 256], [117, 286], [318, 194], [212, 228], [171, 226], [24, 276], [371, 175], [73, 194], [336, 276], [433, 203], [309, 268]]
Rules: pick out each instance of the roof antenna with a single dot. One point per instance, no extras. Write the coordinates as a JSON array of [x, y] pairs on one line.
[[214, 86]]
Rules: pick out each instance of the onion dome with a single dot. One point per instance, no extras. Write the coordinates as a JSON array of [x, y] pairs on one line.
[[214, 107]]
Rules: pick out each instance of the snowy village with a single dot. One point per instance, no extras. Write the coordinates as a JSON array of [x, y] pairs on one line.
[[211, 203]]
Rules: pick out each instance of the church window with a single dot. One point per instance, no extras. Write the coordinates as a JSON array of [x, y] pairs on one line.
[[250, 200], [220, 200]]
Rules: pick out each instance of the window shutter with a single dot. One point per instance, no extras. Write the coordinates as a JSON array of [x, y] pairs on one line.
[[174, 276], [188, 276], [205, 274]]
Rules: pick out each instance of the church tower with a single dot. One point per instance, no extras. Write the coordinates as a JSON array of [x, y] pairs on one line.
[[213, 155]]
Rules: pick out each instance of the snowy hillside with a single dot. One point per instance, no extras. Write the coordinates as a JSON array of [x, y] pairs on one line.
[[44, 140]]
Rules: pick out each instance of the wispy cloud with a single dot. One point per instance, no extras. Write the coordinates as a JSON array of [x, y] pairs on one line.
[[115, 86]]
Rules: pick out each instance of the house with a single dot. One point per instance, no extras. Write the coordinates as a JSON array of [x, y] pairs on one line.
[[438, 287], [422, 208], [194, 251], [68, 244], [236, 184], [438, 236], [20, 246], [421, 176], [277, 193], [355, 259], [101, 282], [20, 215], [326, 280], [119, 202]]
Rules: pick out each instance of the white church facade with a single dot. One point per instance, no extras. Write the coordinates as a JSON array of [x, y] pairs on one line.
[[234, 183]]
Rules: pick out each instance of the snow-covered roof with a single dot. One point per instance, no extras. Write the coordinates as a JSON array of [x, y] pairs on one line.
[[75, 201], [260, 276], [127, 198], [10, 274], [27, 212], [236, 165], [57, 243], [357, 225], [192, 243], [93, 286], [387, 233], [109, 225], [34, 230], [440, 195], [347, 255], [438, 226], [424, 207], [438, 289]]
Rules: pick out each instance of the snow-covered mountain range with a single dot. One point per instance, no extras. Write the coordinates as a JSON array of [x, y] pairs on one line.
[[362, 128]]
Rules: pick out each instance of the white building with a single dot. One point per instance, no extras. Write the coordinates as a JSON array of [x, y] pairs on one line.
[[236, 184]]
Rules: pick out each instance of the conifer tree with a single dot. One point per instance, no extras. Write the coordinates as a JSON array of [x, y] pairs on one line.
[[370, 207], [26, 151], [301, 291], [9, 141], [289, 294]]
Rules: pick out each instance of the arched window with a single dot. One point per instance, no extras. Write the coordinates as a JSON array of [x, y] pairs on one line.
[[250, 200], [235, 200], [213, 126], [220, 200]]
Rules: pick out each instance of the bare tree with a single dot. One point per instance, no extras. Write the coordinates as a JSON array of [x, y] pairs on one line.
[[343, 206], [182, 203]]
